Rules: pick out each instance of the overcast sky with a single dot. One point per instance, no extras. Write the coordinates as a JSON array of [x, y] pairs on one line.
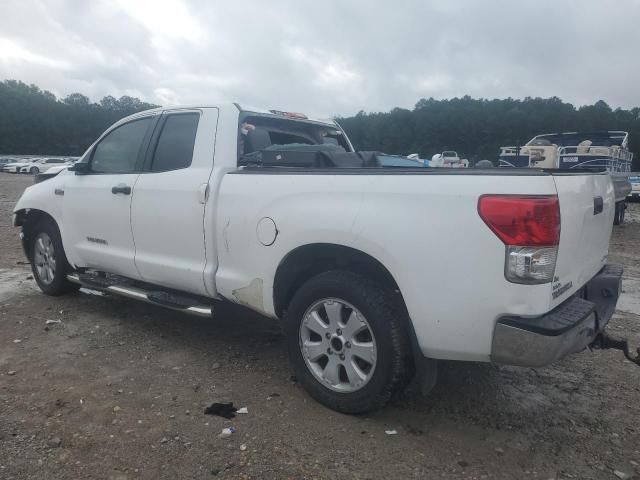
[[325, 57]]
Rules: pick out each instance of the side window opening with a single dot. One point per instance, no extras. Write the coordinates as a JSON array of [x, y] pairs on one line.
[[174, 149], [118, 152]]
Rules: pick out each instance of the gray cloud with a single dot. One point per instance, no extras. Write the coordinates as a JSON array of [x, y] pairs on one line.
[[331, 57]]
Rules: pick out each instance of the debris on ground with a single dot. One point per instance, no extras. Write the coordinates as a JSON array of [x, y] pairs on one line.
[[54, 442], [242, 410], [51, 322], [621, 475], [225, 410], [391, 432], [243, 447], [227, 432], [11, 372]]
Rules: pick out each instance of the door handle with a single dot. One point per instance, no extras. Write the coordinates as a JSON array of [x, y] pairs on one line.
[[598, 205], [121, 188]]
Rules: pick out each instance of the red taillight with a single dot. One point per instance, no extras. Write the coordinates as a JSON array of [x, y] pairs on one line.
[[522, 220]]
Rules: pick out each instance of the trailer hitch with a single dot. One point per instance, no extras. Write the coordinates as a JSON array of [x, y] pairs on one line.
[[604, 341]]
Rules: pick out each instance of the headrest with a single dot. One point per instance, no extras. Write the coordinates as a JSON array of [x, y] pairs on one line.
[[257, 139]]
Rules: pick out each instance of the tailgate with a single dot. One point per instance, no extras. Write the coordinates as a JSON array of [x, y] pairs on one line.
[[585, 230]]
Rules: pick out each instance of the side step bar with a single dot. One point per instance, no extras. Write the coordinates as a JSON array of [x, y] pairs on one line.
[[154, 297]]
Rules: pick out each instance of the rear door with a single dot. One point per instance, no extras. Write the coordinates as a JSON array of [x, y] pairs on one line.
[[167, 211], [97, 204], [587, 204]]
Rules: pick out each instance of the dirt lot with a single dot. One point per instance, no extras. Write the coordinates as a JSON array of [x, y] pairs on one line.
[[117, 390]]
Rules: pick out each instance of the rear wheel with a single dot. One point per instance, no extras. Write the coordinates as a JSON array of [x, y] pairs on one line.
[[34, 170], [48, 260], [348, 342]]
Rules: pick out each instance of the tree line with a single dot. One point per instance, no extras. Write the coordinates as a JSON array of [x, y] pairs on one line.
[[477, 128], [35, 121]]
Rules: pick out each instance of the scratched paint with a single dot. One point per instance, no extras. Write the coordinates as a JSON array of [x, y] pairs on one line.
[[251, 295]]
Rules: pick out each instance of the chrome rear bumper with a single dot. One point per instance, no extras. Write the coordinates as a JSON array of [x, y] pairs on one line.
[[569, 328]]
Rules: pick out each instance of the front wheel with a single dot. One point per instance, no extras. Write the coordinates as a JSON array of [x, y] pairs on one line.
[[348, 341], [34, 170], [48, 260]]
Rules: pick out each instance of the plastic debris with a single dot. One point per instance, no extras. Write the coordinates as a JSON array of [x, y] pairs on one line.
[[17, 340], [51, 322], [225, 410], [227, 432], [243, 447], [11, 372], [242, 410], [391, 432]]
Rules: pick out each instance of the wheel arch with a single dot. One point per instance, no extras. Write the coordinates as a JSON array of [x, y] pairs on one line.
[[28, 218], [309, 260]]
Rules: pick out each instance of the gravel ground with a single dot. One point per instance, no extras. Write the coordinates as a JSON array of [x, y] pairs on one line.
[[117, 389]]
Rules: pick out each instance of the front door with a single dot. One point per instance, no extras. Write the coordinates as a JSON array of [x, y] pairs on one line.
[[97, 204]]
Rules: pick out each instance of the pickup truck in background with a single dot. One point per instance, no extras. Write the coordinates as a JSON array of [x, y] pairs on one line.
[[375, 270]]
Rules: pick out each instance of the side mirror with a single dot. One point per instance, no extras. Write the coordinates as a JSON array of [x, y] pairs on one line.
[[80, 168]]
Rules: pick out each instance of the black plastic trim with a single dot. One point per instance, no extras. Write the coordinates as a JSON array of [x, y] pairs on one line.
[[558, 321]]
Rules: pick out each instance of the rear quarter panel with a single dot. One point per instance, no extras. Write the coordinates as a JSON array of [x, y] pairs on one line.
[[424, 229]]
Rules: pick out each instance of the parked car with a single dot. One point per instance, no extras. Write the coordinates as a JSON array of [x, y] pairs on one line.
[[5, 161], [375, 272], [15, 167], [42, 165]]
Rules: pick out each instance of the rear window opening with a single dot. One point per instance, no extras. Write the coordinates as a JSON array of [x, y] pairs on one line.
[[268, 140], [260, 133]]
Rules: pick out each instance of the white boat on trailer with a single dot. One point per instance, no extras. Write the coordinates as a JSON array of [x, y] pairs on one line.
[[603, 150]]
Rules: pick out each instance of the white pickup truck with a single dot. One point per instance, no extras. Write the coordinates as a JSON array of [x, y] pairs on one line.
[[375, 271]]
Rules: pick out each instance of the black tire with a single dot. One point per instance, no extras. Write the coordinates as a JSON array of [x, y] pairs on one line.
[[58, 284], [34, 170], [618, 216], [388, 322]]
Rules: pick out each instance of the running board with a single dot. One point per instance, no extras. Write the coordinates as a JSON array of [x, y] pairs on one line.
[[182, 303]]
